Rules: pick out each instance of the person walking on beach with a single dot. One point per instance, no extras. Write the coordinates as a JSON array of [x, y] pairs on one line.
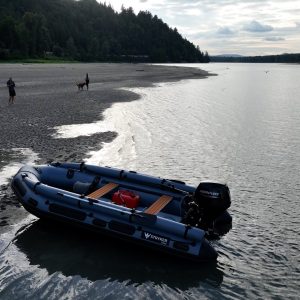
[[11, 89], [87, 81]]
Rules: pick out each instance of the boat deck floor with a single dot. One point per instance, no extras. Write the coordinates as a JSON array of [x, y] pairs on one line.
[[155, 208]]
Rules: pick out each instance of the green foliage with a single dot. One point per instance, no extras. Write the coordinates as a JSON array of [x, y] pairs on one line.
[[71, 50], [89, 31], [8, 33]]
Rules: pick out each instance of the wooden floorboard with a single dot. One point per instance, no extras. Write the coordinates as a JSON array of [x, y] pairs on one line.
[[103, 190], [158, 205]]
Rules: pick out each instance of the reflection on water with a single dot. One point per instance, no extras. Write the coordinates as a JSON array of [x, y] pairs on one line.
[[72, 252]]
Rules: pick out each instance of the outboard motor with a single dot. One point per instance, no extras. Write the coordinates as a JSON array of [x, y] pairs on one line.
[[207, 208]]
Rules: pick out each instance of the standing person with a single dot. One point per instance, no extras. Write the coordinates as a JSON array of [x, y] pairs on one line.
[[11, 89], [87, 81]]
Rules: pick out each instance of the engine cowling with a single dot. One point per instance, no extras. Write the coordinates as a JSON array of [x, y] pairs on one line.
[[207, 209], [213, 198]]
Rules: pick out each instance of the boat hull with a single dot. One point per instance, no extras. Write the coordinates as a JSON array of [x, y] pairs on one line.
[[44, 191]]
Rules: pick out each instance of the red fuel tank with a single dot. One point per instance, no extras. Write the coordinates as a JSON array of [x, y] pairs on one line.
[[126, 198]]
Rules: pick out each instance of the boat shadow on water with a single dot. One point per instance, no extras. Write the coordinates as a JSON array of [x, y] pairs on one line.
[[98, 257]]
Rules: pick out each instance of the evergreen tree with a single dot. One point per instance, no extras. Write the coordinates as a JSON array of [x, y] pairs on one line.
[[71, 50]]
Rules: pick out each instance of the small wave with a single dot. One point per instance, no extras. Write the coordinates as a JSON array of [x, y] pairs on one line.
[[27, 156]]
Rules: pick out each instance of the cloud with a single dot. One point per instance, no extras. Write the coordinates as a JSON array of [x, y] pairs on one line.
[[225, 31], [274, 38], [255, 26], [192, 12], [248, 27]]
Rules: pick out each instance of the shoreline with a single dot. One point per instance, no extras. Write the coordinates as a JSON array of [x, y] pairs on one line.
[[47, 97], [44, 102]]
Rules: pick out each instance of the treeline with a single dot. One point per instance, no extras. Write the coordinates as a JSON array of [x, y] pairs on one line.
[[282, 58], [86, 30]]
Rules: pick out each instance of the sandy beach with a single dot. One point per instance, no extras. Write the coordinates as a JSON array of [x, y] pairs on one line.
[[47, 96]]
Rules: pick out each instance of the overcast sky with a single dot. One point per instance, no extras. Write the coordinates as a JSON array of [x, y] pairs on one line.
[[246, 27]]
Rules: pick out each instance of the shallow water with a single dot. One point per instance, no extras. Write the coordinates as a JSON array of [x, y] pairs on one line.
[[241, 127]]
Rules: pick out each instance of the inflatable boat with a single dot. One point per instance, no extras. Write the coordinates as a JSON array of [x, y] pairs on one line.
[[164, 214]]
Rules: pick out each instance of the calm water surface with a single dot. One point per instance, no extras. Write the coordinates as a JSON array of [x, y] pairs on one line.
[[241, 127]]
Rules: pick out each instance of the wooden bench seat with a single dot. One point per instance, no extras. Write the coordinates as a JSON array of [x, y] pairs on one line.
[[103, 190], [158, 205]]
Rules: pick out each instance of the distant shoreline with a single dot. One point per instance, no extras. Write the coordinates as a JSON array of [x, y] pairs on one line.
[[281, 58]]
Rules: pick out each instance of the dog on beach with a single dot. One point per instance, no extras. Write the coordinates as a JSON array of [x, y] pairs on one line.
[[80, 85]]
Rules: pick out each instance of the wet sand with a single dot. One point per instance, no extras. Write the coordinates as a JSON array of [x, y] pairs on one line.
[[47, 96]]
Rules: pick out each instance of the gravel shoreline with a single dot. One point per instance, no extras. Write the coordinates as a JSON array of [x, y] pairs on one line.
[[47, 96]]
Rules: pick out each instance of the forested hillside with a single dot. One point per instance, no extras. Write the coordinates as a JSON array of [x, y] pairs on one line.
[[88, 31]]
